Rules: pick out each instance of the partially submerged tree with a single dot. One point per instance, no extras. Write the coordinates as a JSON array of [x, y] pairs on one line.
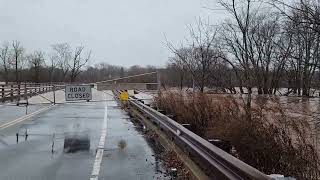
[[303, 24], [200, 57], [237, 39], [180, 68]]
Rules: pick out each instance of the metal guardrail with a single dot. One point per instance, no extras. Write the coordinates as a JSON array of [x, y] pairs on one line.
[[224, 165]]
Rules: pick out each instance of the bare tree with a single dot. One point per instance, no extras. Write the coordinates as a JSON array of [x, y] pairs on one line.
[[53, 62], [201, 55], [237, 39], [260, 49], [237, 36], [303, 24], [61, 57], [4, 56], [305, 58], [78, 62], [36, 62], [17, 58], [309, 8], [179, 66], [271, 47]]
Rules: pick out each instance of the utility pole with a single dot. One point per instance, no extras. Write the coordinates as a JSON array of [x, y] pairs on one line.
[[158, 88], [158, 82], [54, 94]]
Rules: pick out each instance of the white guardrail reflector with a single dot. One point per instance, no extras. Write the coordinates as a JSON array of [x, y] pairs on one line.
[[78, 92]]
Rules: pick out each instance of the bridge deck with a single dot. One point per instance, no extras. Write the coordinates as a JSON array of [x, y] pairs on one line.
[[33, 159]]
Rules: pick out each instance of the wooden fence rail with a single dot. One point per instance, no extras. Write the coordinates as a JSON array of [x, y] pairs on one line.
[[17, 91]]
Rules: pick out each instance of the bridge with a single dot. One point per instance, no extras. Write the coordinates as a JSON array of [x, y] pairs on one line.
[[41, 155], [44, 136]]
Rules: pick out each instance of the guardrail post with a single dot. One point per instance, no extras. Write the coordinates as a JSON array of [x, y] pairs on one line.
[[2, 92]]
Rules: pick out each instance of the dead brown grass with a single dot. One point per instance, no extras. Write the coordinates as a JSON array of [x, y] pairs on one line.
[[171, 160], [268, 139]]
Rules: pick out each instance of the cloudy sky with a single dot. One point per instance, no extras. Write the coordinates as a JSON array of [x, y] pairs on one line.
[[121, 32]]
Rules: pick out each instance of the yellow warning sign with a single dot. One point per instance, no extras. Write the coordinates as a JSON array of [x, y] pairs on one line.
[[124, 96]]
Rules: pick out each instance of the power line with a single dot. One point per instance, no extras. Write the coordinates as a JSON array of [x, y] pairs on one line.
[[127, 77]]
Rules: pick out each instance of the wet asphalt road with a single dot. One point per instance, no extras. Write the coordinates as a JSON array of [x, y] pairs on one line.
[[33, 159]]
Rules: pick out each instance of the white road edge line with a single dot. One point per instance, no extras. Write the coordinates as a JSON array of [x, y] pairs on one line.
[[99, 155]]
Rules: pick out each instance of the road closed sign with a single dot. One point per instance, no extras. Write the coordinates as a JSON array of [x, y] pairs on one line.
[[78, 92]]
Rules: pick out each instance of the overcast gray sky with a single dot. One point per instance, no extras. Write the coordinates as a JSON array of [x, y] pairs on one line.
[[121, 32]]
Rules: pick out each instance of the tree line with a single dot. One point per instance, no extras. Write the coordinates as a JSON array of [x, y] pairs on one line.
[[62, 64], [262, 45]]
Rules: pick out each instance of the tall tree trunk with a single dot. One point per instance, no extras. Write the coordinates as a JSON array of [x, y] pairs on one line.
[[181, 81], [16, 69]]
